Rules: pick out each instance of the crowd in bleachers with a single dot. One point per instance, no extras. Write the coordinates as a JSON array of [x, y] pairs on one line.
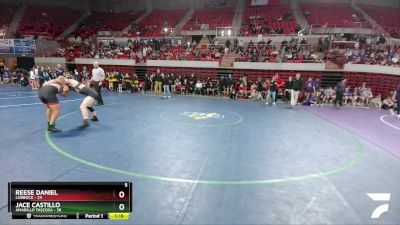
[[155, 49], [311, 92], [288, 51], [384, 55], [18, 76], [243, 86], [370, 51]]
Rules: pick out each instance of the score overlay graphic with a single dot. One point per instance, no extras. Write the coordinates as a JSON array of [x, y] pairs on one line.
[[70, 200]]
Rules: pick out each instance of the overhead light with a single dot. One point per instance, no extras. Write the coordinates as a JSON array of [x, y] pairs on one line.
[[229, 32]]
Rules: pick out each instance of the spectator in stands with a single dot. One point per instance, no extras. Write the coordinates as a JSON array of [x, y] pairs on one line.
[[377, 102], [229, 84], [319, 95], [199, 88], [7, 75], [340, 88], [348, 95], [222, 85], [172, 79], [279, 87], [396, 97], [59, 70], [254, 93], [185, 86], [37, 80], [147, 83], [329, 95], [288, 89], [158, 80], [309, 87], [366, 96], [297, 84], [388, 102], [311, 100], [165, 82], [208, 86], [271, 91], [41, 75], [31, 79]]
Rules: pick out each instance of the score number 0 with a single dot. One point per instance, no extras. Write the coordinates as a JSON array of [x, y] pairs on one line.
[[121, 194]]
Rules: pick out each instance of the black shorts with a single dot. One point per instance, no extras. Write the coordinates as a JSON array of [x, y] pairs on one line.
[[48, 95], [89, 92]]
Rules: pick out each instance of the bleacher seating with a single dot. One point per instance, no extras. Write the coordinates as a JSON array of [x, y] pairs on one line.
[[253, 75], [217, 17], [109, 68], [271, 19], [101, 21], [47, 20], [379, 83], [332, 15], [200, 74], [154, 23], [386, 17]]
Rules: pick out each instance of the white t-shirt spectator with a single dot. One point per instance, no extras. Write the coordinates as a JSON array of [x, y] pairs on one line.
[[199, 85], [31, 75], [98, 74], [36, 71], [226, 50], [241, 43]]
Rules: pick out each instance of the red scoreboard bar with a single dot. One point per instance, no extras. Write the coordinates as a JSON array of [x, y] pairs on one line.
[[70, 200]]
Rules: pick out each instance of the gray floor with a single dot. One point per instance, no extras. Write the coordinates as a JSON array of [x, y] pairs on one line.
[[254, 164]]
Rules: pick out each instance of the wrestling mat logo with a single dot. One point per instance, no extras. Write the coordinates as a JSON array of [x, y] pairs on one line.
[[202, 116]]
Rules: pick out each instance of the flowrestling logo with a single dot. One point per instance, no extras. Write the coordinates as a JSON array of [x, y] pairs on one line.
[[202, 115], [379, 197]]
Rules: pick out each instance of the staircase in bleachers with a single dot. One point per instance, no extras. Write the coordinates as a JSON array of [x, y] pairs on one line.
[[16, 19], [237, 18], [331, 79], [386, 17], [47, 21], [227, 60], [204, 43], [374, 24], [138, 20], [43, 46], [181, 23], [74, 26], [141, 72], [224, 72], [298, 14]]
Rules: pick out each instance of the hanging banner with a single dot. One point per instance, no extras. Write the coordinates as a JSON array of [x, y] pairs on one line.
[[17, 46]]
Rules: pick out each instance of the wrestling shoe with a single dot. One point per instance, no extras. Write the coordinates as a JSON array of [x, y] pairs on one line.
[[84, 125], [94, 118], [53, 130]]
